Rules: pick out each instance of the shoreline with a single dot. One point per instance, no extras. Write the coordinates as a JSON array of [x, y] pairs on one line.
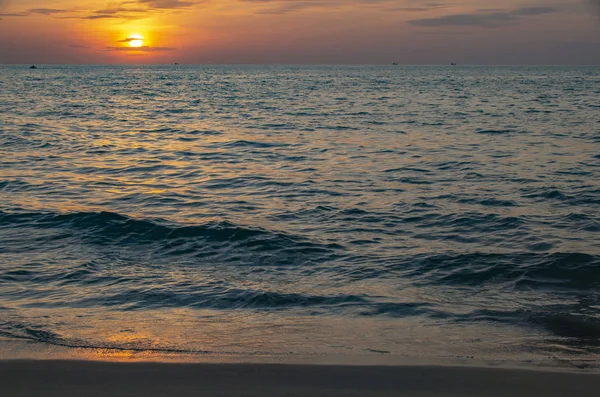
[[66, 378], [12, 350]]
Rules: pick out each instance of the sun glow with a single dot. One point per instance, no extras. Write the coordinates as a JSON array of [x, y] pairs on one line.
[[136, 40]]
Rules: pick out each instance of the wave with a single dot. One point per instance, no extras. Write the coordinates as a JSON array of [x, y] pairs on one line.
[[576, 271], [245, 143], [168, 239], [495, 131], [219, 297], [114, 225], [576, 328], [582, 196], [111, 233]]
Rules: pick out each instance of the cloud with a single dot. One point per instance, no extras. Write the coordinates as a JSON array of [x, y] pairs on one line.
[[99, 16], [422, 8], [484, 18], [118, 13], [118, 10], [139, 49], [167, 4], [15, 14], [129, 9], [535, 11], [35, 11], [128, 40], [286, 7], [138, 9], [46, 11], [290, 6]]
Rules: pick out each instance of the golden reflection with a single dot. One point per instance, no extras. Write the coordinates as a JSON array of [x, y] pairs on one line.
[[133, 338], [111, 354], [124, 339]]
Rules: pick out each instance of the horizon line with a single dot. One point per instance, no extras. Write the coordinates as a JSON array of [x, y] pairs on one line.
[[297, 64]]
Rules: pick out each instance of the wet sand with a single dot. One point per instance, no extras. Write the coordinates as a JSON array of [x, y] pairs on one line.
[[85, 378]]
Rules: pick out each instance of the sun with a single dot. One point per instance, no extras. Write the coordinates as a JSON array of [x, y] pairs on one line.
[[135, 40]]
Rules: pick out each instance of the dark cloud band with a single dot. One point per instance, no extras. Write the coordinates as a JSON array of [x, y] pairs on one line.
[[489, 19]]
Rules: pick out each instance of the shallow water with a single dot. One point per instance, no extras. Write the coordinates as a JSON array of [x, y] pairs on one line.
[[417, 211]]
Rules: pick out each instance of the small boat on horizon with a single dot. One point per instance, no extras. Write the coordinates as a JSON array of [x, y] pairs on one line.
[[33, 67]]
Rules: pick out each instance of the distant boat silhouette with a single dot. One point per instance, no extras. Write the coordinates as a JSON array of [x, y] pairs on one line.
[[33, 67], [176, 63], [453, 64], [395, 63]]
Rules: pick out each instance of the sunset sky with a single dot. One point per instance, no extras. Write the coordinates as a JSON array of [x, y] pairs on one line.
[[300, 31]]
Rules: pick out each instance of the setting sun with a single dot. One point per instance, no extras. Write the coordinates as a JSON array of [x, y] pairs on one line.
[[136, 40]]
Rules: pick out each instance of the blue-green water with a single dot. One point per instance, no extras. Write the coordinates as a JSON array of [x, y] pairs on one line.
[[418, 211]]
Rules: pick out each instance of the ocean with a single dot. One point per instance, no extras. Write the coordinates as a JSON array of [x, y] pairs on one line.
[[416, 212]]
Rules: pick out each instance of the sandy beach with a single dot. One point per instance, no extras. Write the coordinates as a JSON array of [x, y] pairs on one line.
[[81, 378]]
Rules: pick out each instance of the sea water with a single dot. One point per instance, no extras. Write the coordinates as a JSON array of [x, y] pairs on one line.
[[283, 211]]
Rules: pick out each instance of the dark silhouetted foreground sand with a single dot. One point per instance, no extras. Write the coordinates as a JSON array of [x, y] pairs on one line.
[[73, 378]]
